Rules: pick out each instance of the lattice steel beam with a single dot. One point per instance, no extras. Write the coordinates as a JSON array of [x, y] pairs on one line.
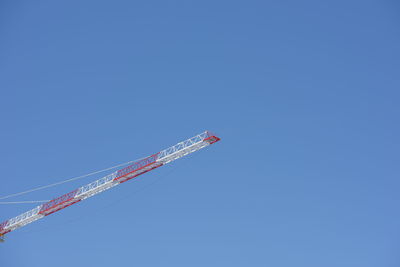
[[133, 170]]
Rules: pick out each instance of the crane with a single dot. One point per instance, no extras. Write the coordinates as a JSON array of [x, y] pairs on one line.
[[116, 178]]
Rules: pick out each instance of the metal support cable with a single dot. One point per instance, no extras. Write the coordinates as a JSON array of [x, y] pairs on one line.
[[23, 202], [63, 182]]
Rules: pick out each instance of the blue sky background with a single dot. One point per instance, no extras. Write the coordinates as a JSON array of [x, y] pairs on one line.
[[304, 94]]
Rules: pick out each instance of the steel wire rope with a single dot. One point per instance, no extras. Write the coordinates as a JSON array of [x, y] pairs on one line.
[[23, 202], [59, 183], [98, 210]]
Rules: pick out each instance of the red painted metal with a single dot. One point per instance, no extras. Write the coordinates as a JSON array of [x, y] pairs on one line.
[[57, 201], [136, 167], [2, 225], [5, 232], [155, 166], [123, 175], [212, 139], [60, 207]]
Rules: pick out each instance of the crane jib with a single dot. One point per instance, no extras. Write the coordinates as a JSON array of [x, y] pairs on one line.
[[135, 169]]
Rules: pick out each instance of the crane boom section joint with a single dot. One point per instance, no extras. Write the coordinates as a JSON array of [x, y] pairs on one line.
[[135, 169]]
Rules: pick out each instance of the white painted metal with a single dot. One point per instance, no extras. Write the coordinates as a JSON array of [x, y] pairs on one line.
[[96, 186], [23, 219], [165, 156]]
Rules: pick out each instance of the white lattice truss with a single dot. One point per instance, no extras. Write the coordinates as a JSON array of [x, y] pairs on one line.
[[156, 160]]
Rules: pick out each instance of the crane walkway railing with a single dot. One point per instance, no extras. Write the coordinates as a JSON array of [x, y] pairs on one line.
[[137, 168]]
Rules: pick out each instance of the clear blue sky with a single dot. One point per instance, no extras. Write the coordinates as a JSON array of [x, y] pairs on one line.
[[304, 94]]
